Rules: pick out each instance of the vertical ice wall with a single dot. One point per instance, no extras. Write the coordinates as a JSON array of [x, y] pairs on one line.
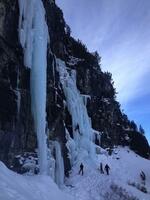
[[59, 166], [82, 131], [33, 34]]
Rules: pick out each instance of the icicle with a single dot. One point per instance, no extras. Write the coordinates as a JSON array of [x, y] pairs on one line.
[[33, 34], [59, 168], [97, 136], [26, 28], [51, 163], [85, 98], [73, 75], [72, 155]]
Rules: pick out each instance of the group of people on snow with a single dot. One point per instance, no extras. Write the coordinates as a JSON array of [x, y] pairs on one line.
[[106, 168]]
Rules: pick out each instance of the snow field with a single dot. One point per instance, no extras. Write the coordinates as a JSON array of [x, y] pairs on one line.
[[94, 186], [91, 186], [18, 187]]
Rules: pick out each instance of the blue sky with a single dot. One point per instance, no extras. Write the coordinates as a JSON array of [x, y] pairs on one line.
[[120, 31]]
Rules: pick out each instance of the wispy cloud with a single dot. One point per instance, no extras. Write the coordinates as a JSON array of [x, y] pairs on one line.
[[130, 66]]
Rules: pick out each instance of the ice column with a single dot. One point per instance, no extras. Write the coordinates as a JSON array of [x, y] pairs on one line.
[[33, 34], [59, 168]]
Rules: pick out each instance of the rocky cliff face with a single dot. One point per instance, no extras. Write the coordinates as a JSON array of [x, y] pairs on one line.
[[17, 135], [16, 125]]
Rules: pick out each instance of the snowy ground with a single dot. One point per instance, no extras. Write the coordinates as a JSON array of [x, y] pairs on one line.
[[125, 167], [18, 187]]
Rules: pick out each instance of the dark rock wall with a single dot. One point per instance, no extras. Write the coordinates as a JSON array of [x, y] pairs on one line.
[[16, 126]]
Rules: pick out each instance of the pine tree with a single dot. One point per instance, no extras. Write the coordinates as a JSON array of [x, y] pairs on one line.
[[141, 130]]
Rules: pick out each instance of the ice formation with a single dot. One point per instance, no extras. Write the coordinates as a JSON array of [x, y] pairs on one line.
[[85, 98], [59, 165], [82, 131], [18, 95], [71, 148], [33, 35]]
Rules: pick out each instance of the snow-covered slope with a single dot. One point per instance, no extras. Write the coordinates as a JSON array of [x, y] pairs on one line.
[[121, 184], [18, 187]]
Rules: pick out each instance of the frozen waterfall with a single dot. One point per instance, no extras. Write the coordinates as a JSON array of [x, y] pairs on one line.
[[82, 131], [33, 35]]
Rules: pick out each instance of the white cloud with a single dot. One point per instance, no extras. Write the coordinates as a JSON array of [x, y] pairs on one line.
[[130, 66]]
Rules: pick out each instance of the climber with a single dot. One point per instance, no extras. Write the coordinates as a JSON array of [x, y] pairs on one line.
[[101, 168], [81, 169], [107, 168], [143, 177], [77, 128]]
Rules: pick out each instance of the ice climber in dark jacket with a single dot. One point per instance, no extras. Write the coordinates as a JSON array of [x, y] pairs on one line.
[[81, 169]]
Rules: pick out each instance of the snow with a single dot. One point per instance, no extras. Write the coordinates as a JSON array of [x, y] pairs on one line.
[[125, 168], [106, 100], [74, 61], [96, 186], [17, 187], [29, 164], [82, 130], [33, 34]]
